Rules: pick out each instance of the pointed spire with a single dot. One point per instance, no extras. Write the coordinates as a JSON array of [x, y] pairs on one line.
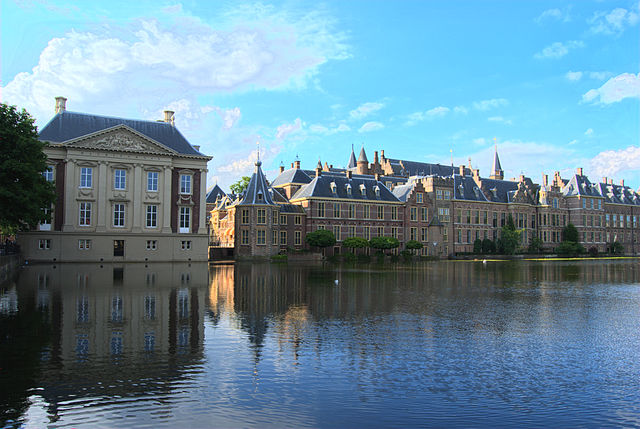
[[257, 191], [363, 156], [352, 159], [319, 164], [496, 170]]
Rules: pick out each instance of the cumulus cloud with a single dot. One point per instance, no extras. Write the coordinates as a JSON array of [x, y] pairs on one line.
[[493, 103], [626, 85], [613, 22], [371, 126], [229, 117], [365, 110], [499, 119], [158, 61], [321, 129], [436, 112], [558, 49], [589, 132], [285, 129], [461, 109], [554, 14], [612, 162], [573, 76]]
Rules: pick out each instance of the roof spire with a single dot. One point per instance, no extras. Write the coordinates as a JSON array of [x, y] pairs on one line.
[[258, 155], [352, 159], [496, 171]]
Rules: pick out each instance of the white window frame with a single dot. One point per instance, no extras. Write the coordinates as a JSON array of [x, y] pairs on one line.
[[186, 244], [86, 177], [185, 184], [84, 244], [152, 215], [84, 214], [48, 173], [44, 244], [120, 179], [184, 221], [119, 215], [152, 181]]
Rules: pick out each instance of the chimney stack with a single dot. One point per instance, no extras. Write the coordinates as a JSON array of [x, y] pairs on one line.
[[382, 154], [462, 170], [622, 182], [349, 174], [545, 180], [61, 104], [281, 168], [375, 157], [611, 181], [604, 180], [297, 164], [169, 117], [579, 171]]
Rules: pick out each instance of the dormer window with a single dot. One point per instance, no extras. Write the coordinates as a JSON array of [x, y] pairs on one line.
[[348, 188], [476, 191], [494, 191], [334, 188], [377, 191], [260, 196], [363, 190]]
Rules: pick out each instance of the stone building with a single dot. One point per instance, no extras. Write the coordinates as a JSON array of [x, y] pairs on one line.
[[127, 190]]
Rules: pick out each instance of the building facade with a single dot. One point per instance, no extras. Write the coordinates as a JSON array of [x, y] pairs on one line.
[[127, 190]]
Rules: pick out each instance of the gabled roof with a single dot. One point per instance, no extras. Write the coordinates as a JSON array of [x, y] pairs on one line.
[[465, 188], [257, 191], [498, 191], [401, 192], [338, 187], [213, 194], [580, 185], [292, 175], [66, 126], [618, 194]]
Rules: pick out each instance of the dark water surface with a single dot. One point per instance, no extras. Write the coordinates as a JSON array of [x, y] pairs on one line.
[[456, 344]]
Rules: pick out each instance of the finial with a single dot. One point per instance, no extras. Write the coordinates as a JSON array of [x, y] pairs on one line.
[[451, 150], [258, 144]]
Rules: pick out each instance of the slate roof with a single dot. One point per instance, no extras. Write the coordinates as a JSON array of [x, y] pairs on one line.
[[504, 190], [363, 156], [292, 175], [465, 188], [580, 185], [212, 195], [496, 164], [67, 125], [321, 187], [618, 194], [352, 159], [413, 168], [257, 191], [401, 192]]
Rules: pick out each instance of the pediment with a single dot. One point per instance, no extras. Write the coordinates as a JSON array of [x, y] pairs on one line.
[[120, 138]]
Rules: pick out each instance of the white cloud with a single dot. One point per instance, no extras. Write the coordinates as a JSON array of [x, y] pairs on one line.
[[559, 49], [600, 75], [493, 103], [573, 76], [553, 14], [461, 109], [230, 117], [499, 119], [321, 129], [436, 112], [612, 162], [285, 129], [159, 61], [589, 132], [613, 22], [371, 126], [481, 141], [626, 85], [365, 110]]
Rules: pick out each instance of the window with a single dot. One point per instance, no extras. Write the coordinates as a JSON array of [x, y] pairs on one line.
[[424, 214], [367, 212], [283, 219], [468, 216], [336, 232], [274, 216], [245, 237], [297, 220], [85, 214], [419, 197], [447, 195], [152, 181], [185, 219], [44, 244], [283, 238], [438, 194], [485, 218], [555, 203], [152, 216], [245, 216], [261, 236], [413, 235], [298, 238], [476, 217], [262, 216], [152, 244], [48, 174], [336, 210], [118, 215], [185, 184], [320, 209], [186, 244], [45, 225], [443, 213], [380, 212], [86, 174], [352, 211], [424, 234], [413, 213], [274, 237], [84, 244], [394, 213], [118, 247], [584, 203], [119, 179], [367, 233]]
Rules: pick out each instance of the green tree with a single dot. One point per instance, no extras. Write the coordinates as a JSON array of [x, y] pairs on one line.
[[240, 186], [568, 248], [488, 246], [570, 233], [25, 195], [320, 238], [384, 243], [477, 246], [355, 243], [509, 238], [413, 245], [536, 245], [617, 248]]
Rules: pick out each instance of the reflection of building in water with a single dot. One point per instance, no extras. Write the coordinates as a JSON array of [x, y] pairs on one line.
[[131, 316], [220, 291]]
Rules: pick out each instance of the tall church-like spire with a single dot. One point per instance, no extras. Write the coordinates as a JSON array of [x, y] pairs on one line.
[[352, 159], [496, 171]]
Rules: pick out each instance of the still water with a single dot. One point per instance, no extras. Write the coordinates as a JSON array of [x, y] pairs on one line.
[[456, 344]]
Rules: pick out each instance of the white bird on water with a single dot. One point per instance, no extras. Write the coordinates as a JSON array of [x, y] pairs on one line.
[[336, 282]]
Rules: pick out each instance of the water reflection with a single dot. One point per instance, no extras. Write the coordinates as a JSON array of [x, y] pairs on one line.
[[88, 330]]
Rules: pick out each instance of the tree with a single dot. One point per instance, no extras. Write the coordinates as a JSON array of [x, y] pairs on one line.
[[536, 245], [25, 194], [617, 248], [570, 233], [488, 246], [413, 245], [320, 238], [477, 246], [509, 238], [384, 243], [355, 243], [240, 186]]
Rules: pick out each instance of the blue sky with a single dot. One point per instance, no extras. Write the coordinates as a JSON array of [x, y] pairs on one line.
[[556, 84]]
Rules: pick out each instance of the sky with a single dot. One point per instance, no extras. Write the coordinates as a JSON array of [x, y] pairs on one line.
[[554, 84]]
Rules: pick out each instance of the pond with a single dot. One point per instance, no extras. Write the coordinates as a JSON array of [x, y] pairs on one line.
[[450, 343]]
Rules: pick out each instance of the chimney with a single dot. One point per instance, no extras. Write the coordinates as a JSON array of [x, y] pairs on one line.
[[169, 117], [377, 176], [522, 177], [61, 104], [545, 180], [196, 147], [318, 171], [382, 154], [604, 180], [349, 174], [476, 173], [297, 164], [579, 171], [292, 165], [622, 182], [375, 157], [462, 170], [611, 181], [281, 168]]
